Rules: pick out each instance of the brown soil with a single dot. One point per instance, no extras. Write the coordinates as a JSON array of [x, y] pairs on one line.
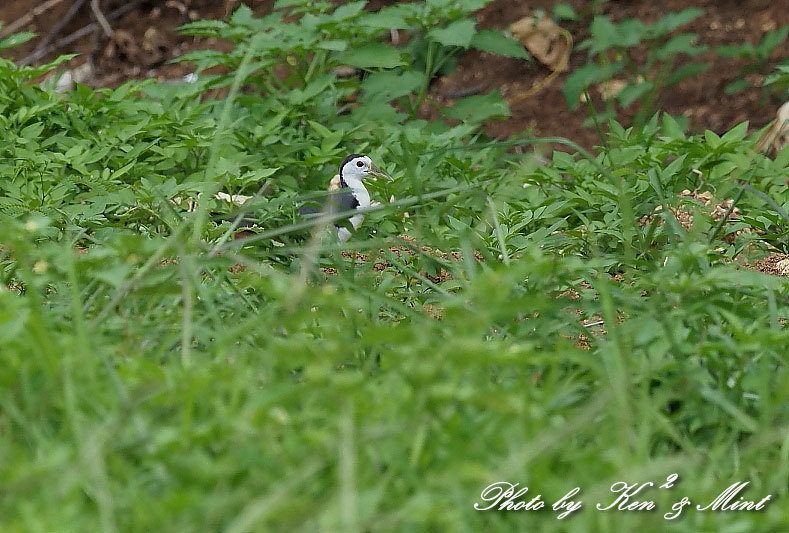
[[145, 34], [146, 37], [775, 263], [701, 98]]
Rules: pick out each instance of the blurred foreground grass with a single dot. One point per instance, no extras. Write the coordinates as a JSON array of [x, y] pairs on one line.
[[150, 383]]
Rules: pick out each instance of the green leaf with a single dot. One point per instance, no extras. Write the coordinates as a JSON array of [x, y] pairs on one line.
[[563, 11], [673, 168], [388, 18], [32, 131], [255, 177], [584, 77], [672, 128], [347, 11], [470, 5], [288, 3], [495, 42], [388, 85], [335, 45], [781, 77], [320, 129], [479, 108], [712, 139], [680, 44], [607, 35], [377, 112], [242, 16], [46, 67], [782, 158], [204, 28], [736, 86], [16, 39], [123, 170], [742, 51], [372, 56], [737, 133], [672, 21], [315, 87], [633, 92], [686, 71], [771, 41], [459, 33]]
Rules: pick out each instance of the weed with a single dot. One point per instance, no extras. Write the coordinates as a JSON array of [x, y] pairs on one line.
[[611, 49], [778, 81], [755, 56]]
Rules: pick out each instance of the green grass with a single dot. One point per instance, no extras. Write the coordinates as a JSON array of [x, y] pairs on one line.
[[148, 386]]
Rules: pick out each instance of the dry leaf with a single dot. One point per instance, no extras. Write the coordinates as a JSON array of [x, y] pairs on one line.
[[775, 264], [154, 47], [122, 45], [549, 43], [777, 136], [611, 88]]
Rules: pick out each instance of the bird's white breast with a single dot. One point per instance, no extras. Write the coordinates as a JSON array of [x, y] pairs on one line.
[[363, 198], [359, 191]]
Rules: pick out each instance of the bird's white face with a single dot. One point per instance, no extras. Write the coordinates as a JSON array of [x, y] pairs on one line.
[[359, 168]]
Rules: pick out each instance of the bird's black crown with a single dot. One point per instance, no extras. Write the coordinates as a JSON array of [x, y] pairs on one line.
[[347, 159]]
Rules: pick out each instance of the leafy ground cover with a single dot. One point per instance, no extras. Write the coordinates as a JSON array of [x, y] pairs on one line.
[[566, 323]]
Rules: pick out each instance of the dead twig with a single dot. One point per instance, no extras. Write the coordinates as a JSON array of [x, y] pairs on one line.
[[101, 19], [775, 138], [461, 92], [29, 17], [95, 48], [82, 32], [178, 6], [56, 29]]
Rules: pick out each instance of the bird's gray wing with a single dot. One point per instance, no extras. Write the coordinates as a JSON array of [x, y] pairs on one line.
[[344, 201], [341, 201], [309, 210]]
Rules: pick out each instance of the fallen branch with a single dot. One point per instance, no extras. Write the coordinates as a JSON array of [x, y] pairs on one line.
[[56, 29], [79, 34], [100, 18], [26, 19]]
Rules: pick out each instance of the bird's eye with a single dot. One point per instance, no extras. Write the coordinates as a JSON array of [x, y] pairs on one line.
[[359, 164]]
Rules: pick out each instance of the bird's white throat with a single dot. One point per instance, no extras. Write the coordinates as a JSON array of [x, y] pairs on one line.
[[358, 190]]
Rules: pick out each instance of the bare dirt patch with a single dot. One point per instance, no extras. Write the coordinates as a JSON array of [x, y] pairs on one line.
[[146, 37], [701, 98]]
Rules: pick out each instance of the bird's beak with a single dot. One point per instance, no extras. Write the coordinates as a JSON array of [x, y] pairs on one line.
[[375, 171]]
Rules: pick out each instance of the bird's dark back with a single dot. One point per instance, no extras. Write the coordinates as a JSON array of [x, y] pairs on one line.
[[338, 202]]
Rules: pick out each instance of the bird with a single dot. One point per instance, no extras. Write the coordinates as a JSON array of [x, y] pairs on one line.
[[349, 192]]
